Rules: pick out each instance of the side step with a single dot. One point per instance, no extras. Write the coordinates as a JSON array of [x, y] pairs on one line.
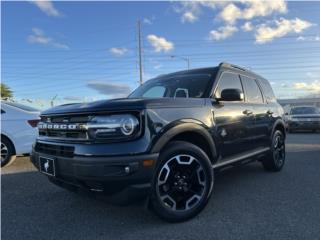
[[239, 157]]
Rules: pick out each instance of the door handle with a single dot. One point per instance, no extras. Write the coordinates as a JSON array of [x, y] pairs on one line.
[[269, 112], [247, 112]]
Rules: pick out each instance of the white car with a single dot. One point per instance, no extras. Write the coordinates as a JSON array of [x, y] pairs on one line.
[[18, 130]]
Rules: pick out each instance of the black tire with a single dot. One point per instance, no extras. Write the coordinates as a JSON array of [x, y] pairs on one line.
[[7, 151], [275, 159], [189, 179]]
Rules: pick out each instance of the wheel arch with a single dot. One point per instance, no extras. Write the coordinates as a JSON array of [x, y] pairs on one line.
[[189, 132], [279, 125]]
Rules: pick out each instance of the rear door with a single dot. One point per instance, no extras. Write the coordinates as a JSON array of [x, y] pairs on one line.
[[262, 114], [233, 124]]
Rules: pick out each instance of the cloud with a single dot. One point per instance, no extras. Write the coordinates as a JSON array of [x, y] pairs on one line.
[[253, 8], [230, 13], [266, 33], [149, 21], [301, 38], [47, 7], [39, 37], [247, 27], [312, 87], [309, 38], [189, 17], [114, 90], [191, 10], [222, 32], [159, 43], [118, 51]]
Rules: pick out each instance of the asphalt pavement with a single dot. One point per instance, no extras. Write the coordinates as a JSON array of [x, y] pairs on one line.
[[247, 203]]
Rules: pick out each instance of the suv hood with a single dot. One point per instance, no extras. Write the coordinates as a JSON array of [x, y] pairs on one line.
[[123, 104]]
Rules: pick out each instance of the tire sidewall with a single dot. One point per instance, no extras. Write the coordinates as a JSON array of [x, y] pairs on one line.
[[170, 151]]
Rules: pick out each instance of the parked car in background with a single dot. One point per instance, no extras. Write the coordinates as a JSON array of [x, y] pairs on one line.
[[303, 118], [18, 130]]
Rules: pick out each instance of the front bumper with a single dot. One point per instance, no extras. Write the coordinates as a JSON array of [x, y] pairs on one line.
[[115, 176]]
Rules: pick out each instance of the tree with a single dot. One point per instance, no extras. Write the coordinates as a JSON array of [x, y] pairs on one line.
[[5, 91]]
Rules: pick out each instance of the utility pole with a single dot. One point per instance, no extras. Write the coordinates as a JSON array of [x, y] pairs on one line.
[[140, 53]]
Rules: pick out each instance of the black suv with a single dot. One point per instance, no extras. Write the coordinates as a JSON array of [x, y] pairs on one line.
[[165, 140]]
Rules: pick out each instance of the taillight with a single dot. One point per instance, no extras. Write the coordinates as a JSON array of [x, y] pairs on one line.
[[34, 123]]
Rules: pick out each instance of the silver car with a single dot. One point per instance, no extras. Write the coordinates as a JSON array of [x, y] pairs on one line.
[[303, 118]]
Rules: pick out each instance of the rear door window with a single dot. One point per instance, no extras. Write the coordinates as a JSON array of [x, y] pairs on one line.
[[253, 92]]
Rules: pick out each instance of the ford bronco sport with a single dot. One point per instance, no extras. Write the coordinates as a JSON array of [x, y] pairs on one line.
[[166, 139]]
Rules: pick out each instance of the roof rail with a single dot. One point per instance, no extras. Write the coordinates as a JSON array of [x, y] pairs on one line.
[[225, 64]]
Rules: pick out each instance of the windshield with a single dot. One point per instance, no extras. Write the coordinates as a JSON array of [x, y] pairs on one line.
[[182, 86], [304, 110], [23, 107]]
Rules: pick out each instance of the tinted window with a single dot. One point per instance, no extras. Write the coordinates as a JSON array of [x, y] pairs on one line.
[[155, 92], [304, 110], [189, 85], [267, 90], [253, 93], [21, 106], [227, 81]]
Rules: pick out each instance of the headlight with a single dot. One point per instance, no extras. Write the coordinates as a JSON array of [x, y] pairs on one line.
[[113, 126]]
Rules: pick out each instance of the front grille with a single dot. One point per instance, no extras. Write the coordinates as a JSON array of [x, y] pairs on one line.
[[76, 133], [55, 150], [81, 135], [69, 119]]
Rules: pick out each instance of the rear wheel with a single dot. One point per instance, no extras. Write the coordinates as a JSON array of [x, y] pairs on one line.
[[275, 160], [7, 151], [182, 183]]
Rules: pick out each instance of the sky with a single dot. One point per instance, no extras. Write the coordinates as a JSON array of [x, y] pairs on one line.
[[84, 51]]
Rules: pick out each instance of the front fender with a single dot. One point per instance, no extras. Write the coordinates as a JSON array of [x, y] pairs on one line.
[[178, 127]]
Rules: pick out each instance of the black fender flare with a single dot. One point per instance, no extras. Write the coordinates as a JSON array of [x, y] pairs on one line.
[[182, 128], [276, 124]]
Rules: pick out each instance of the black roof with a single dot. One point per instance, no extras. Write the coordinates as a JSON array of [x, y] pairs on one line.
[[211, 70]]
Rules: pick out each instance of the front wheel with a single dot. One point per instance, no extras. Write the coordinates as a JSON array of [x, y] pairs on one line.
[[7, 151], [183, 182], [275, 160]]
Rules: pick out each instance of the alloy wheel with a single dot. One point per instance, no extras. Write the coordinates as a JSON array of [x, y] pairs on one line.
[[181, 183]]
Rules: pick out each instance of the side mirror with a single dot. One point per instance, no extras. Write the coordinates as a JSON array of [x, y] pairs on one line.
[[286, 113], [231, 94]]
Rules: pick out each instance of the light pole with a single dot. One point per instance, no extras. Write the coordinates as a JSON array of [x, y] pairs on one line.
[[184, 59]]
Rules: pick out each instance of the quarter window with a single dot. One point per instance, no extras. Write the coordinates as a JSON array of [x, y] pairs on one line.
[[253, 93], [227, 81]]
